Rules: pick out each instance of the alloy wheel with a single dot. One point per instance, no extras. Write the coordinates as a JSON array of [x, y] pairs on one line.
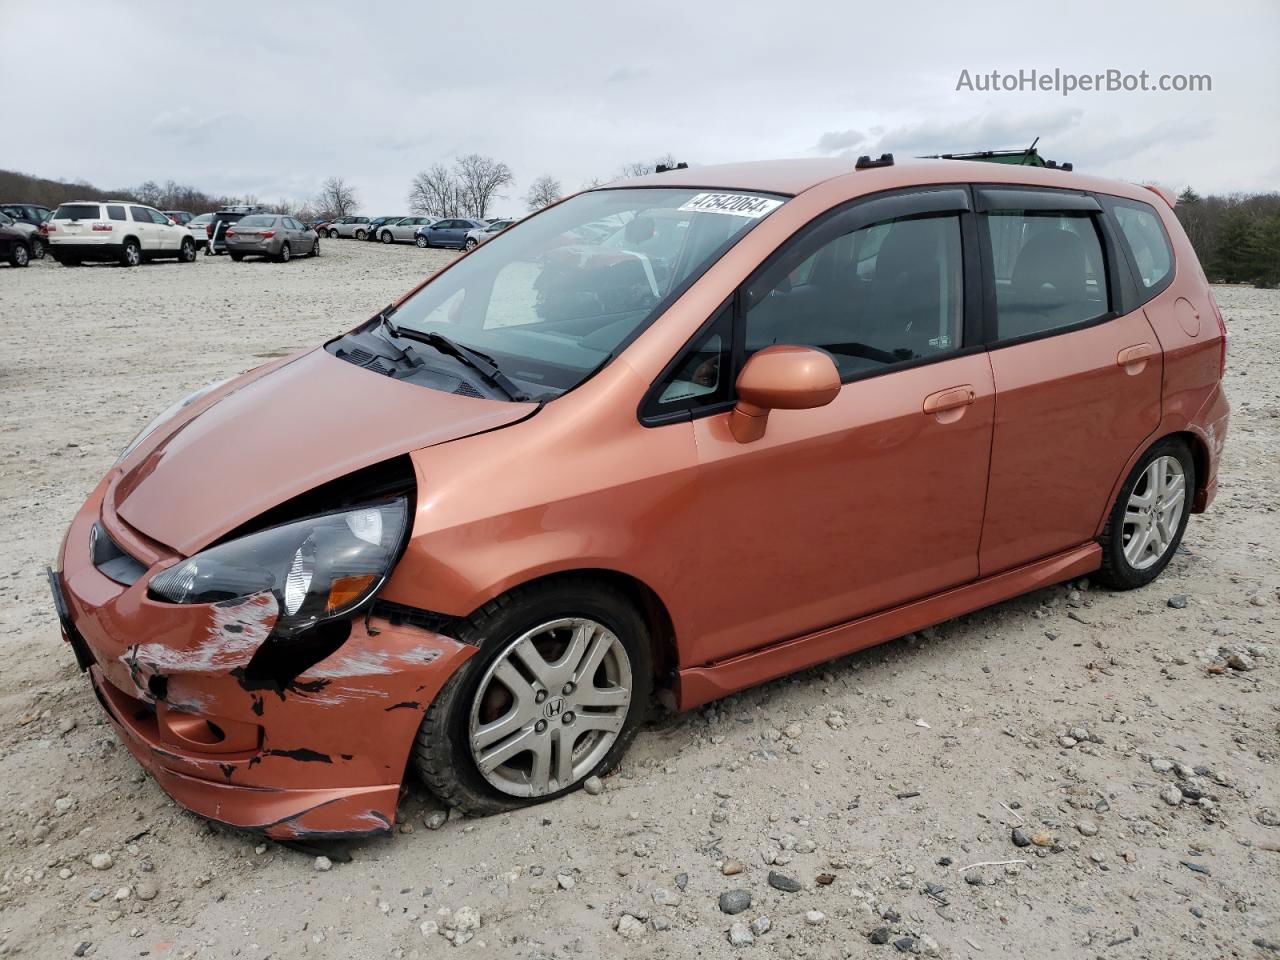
[[37, 248], [550, 707], [132, 254], [20, 257], [1154, 512]]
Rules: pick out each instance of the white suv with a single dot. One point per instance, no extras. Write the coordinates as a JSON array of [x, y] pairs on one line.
[[115, 230]]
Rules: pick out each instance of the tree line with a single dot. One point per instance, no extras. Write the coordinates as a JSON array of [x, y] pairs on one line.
[[1236, 236]]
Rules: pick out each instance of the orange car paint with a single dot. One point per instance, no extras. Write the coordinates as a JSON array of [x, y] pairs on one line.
[[890, 504]]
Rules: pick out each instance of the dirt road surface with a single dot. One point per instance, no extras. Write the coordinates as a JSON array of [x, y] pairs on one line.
[[874, 783]]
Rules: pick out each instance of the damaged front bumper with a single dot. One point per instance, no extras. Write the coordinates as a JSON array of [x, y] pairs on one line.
[[320, 753]]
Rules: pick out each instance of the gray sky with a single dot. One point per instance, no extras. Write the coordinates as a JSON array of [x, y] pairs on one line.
[[270, 98]]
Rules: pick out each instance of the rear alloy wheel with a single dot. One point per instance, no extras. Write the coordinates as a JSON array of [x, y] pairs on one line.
[[360, 234], [555, 695], [285, 253], [188, 252], [131, 256], [421, 241], [387, 237], [1149, 517], [315, 248], [37, 248], [19, 255]]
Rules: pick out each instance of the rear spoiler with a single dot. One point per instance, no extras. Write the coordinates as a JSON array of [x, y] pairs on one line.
[[1163, 194]]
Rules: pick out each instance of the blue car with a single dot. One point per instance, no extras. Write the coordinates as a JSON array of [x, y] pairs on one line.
[[447, 233]]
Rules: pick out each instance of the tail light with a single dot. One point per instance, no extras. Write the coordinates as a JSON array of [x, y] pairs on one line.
[[208, 230], [46, 229], [267, 234], [1222, 334], [102, 228], [229, 233]]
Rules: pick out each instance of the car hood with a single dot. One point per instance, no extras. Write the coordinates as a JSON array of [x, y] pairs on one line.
[[269, 436]]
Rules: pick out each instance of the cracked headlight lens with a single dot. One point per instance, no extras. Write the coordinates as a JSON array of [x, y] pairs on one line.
[[318, 569]]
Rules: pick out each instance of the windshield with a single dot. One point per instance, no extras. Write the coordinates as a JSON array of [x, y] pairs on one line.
[[553, 298]]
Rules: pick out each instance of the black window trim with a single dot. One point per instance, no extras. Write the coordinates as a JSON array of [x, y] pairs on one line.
[[915, 202], [994, 197], [1141, 294]]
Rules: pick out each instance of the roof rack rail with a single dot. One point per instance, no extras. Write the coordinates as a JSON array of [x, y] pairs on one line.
[[1028, 157], [866, 163], [665, 168]]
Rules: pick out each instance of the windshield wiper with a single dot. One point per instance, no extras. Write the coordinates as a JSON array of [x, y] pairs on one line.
[[481, 363]]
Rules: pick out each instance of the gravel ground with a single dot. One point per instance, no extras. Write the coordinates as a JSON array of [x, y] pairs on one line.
[[1065, 736]]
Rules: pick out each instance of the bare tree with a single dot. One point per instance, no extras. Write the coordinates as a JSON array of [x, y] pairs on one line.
[[337, 198], [436, 191], [543, 192], [641, 168], [149, 193], [479, 180]]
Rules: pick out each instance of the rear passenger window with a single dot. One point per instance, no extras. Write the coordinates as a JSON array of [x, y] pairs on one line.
[[1147, 241], [115, 211], [140, 214], [1049, 271], [882, 295]]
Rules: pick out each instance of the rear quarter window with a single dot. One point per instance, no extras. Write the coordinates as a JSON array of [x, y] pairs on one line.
[[1147, 244], [77, 211]]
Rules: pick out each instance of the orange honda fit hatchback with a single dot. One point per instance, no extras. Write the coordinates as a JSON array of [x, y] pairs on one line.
[[684, 434]]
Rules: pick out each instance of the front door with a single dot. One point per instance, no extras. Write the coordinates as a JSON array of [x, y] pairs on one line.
[[877, 498], [145, 228], [1077, 379]]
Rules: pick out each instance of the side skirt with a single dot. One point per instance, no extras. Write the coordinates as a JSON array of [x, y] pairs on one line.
[[698, 685]]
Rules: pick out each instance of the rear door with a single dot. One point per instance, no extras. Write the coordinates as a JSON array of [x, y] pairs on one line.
[[1077, 378]]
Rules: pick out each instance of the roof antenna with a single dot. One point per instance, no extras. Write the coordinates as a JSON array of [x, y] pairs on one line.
[[1030, 150]]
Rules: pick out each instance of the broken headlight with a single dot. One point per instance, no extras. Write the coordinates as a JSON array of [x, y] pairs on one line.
[[318, 569]]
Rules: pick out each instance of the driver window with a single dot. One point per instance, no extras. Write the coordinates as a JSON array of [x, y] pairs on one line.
[[875, 297]]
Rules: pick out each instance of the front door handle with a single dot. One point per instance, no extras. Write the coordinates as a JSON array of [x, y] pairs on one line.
[[948, 405], [1134, 359]]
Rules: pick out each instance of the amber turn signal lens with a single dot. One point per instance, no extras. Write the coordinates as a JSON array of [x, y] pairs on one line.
[[345, 590]]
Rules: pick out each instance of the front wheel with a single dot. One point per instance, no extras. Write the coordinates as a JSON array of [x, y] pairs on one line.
[[1149, 517], [333, 234], [387, 237], [19, 255], [556, 694], [315, 248], [471, 243], [188, 252], [421, 241]]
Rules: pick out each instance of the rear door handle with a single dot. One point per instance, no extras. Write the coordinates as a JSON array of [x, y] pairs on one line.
[[950, 399], [1134, 359]]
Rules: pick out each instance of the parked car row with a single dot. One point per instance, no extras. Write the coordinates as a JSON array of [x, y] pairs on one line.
[[464, 233]]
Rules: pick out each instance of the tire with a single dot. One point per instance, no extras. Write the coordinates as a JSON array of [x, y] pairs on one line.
[[131, 253], [471, 243], [442, 752], [19, 255], [421, 241], [187, 253], [1127, 560], [333, 234], [361, 234], [387, 237], [68, 261], [37, 248], [285, 254], [315, 248], [237, 257]]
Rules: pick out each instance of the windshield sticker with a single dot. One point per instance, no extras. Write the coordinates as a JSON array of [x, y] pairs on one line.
[[734, 204]]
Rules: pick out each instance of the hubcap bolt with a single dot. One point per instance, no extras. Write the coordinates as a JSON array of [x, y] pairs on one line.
[[568, 689], [540, 726], [568, 717], [540, 696]]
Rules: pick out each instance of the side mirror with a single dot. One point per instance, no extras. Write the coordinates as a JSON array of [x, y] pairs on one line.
[[781, 378]]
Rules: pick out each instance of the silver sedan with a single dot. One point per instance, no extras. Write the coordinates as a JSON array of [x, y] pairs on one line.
[[271, 235], [402, 230]]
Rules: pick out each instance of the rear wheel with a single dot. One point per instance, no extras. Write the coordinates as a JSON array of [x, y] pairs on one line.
[[315, 248], [131, 255], [37, 248], [237, 257], [19, 255], [556, 694], [188, 252], [1149, 517], [286, 254], [360, 234]]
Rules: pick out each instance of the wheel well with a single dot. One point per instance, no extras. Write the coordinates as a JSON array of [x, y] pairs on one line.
[[662, 634], [1199, 456]]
